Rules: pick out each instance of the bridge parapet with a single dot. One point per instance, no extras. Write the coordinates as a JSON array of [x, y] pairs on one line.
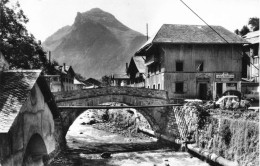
[[129, 91]]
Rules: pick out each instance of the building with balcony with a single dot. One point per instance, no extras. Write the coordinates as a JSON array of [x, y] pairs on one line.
[[136, 72], [251, 63], [62, 80], [193, 61]]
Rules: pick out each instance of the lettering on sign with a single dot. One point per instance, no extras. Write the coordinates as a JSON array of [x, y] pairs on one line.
[[225, 75]]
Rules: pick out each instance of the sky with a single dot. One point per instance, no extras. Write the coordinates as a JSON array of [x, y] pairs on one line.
[[47, 16]]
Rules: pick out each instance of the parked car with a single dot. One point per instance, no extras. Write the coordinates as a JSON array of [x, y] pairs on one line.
[[252, 95], [232, 101], [233, 92], [226, 98]]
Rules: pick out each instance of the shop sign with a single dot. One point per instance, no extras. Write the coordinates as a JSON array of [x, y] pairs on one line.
[[225, 75]]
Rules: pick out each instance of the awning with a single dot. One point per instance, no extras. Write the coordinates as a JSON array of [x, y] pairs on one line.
[[250, 84], [248, 80]]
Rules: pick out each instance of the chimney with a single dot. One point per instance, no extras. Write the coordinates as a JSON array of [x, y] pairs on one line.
[[126, 67], [64, 66], [50, 57]]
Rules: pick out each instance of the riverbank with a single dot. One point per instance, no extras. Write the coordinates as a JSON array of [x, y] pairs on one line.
[[85, 144], [123, 122]]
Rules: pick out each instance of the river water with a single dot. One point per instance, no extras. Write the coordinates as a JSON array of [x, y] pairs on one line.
[[85, 145]]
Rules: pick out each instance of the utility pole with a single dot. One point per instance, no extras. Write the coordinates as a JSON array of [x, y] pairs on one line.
[[147, 31]]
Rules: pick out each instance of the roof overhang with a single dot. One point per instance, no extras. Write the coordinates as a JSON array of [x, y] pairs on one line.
[[142, 51]]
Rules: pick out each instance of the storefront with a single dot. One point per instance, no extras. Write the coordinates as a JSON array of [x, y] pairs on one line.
[[224, 82], [247, 87]]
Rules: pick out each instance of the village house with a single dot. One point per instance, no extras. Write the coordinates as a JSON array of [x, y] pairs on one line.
[[62, 80], [119, 79], [136, 72], [251, 63], [91, 83], [78, 85], [193, 61]]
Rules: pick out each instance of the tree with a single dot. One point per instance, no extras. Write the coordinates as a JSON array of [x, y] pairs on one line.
[[106, 80], [254, 23], [244, 30], [237, 32], [20, 49]]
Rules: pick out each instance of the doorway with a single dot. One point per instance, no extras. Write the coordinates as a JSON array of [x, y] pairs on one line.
[[219, 89], [203, 91]]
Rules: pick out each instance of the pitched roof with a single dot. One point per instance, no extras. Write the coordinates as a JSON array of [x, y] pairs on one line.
[[170, 33], [92, 81], [252, 37], [77, 82], [192, 34], [120, 76], [15, 86], [139, 62], [64, 69]]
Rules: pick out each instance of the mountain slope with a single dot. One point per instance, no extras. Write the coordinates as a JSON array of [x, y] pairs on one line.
[[97, 44]]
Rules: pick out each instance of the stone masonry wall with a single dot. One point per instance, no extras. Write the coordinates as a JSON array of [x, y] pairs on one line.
[[34, 117], [130, 91]]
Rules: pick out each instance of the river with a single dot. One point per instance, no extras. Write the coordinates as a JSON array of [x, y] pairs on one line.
[[85, 145]]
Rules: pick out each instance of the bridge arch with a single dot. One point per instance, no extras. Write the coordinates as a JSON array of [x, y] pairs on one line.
[[35, 152], [157, 116]]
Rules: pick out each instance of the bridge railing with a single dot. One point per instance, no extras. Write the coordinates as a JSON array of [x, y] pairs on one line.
[[115, 107]]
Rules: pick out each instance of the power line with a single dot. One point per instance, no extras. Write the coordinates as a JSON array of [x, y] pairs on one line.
[[213, 29]]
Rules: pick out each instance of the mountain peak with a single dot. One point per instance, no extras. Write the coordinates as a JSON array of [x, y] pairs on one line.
[[96, 10], [98, 13], [97, 44], [99, 16]]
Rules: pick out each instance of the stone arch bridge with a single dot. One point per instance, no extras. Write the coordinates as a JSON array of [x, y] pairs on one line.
[[34, 128], [161, 119]]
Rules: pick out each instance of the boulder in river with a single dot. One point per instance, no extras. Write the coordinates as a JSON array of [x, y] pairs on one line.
[[106, 155], [91, 121]]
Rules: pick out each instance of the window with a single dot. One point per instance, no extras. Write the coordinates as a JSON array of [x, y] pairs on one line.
[[159, 67], [153, 86], [148, 87], [153, 68], [179, 87], [179, 66], [199, 65], [158, 87]]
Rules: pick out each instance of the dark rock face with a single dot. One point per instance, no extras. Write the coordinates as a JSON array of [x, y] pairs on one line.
[[95, 45]]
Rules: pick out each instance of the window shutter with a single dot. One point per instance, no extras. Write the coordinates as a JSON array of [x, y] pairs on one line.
[[173, 87]]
